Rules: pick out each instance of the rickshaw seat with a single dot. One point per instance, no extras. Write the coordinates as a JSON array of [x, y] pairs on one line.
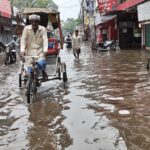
[[53, 47]]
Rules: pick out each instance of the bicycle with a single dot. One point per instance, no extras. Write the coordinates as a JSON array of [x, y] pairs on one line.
[[32, 80], [35, 78]]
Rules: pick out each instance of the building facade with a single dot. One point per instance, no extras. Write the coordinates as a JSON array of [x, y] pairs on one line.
[[144, 23], [125, 24], [5, 21]]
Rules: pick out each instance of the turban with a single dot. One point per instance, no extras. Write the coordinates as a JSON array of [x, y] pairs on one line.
[[34, 17]]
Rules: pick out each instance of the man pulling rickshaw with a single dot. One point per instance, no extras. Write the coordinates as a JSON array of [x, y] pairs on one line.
[[38, 51], [34, 43]]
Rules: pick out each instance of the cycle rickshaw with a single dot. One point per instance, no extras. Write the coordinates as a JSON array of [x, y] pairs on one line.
[[53, 59]]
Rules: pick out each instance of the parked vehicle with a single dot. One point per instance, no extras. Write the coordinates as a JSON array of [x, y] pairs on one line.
[[10, 56], [2, 47], [11, 51], [108, 45]]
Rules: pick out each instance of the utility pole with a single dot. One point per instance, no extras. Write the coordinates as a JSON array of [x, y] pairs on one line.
[[94, 18], [82, 7]]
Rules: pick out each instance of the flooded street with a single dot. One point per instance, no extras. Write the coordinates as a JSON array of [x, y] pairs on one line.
[[104, 105]]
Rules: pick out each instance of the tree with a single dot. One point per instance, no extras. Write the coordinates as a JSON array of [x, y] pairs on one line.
[[36, 3], [78, 21], [45, 3], [71, 24]]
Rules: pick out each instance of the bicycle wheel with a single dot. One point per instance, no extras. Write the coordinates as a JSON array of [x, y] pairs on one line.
[[20, 80], [58, 68], [59, 73], [65, 79], [31, 89]]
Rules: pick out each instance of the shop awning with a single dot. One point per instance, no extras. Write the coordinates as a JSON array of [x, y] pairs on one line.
[[128, 4], [103, 19], [5, 8], [106, 6]]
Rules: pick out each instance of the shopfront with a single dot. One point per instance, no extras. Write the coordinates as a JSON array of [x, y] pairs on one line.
[[129, 31], [106, 27], [147, 35], [5, 21], [126, 23]]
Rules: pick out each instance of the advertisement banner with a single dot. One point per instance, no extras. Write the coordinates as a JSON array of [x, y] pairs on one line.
[[86, 20], [5, 8], [90, 6], [107, 6]]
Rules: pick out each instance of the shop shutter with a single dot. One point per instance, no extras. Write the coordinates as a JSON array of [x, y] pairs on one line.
[[147, 35]]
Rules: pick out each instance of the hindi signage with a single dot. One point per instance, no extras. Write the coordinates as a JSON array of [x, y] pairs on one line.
[[107, 6]]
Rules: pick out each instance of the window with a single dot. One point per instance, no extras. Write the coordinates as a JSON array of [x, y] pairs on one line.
[[121, 1]]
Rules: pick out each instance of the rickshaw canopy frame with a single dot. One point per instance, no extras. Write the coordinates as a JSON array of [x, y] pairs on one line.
[[27, 11]]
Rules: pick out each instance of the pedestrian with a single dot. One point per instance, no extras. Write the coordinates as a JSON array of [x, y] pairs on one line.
[[34, 42], [76, 44]]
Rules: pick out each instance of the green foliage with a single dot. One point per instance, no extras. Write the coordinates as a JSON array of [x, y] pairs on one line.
[[43, 3], [71, 24], [78, 21], [38, 3]]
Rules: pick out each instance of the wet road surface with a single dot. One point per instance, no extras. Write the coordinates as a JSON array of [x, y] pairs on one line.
[[104, 106]]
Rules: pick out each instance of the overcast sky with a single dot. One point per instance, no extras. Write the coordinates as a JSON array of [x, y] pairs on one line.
[[68, 8]]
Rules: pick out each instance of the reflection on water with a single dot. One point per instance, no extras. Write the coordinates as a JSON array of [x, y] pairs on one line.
[[118, 86], [105, 105]]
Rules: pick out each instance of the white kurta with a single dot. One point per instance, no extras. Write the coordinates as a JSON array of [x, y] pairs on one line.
[[33, 44], [76, 42]]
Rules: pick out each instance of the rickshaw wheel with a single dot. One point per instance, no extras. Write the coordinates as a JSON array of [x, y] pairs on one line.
[[59, 74], [147, 67], [20, 80], [28, 94], [65, 79]]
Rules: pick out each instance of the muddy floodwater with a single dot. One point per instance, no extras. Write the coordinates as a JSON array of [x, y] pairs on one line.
[[104, 106]]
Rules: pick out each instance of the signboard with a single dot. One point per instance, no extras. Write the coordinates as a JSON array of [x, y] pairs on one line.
[[86, 20], [144, 12], [90, 6], [107, 6], [5, 8]]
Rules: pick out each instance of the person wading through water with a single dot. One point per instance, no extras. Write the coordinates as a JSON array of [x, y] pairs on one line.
[[76, 44]]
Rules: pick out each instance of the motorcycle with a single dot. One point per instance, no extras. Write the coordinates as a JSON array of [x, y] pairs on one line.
[[108, 45], [68, 43], [10, 56], [2, 47]]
